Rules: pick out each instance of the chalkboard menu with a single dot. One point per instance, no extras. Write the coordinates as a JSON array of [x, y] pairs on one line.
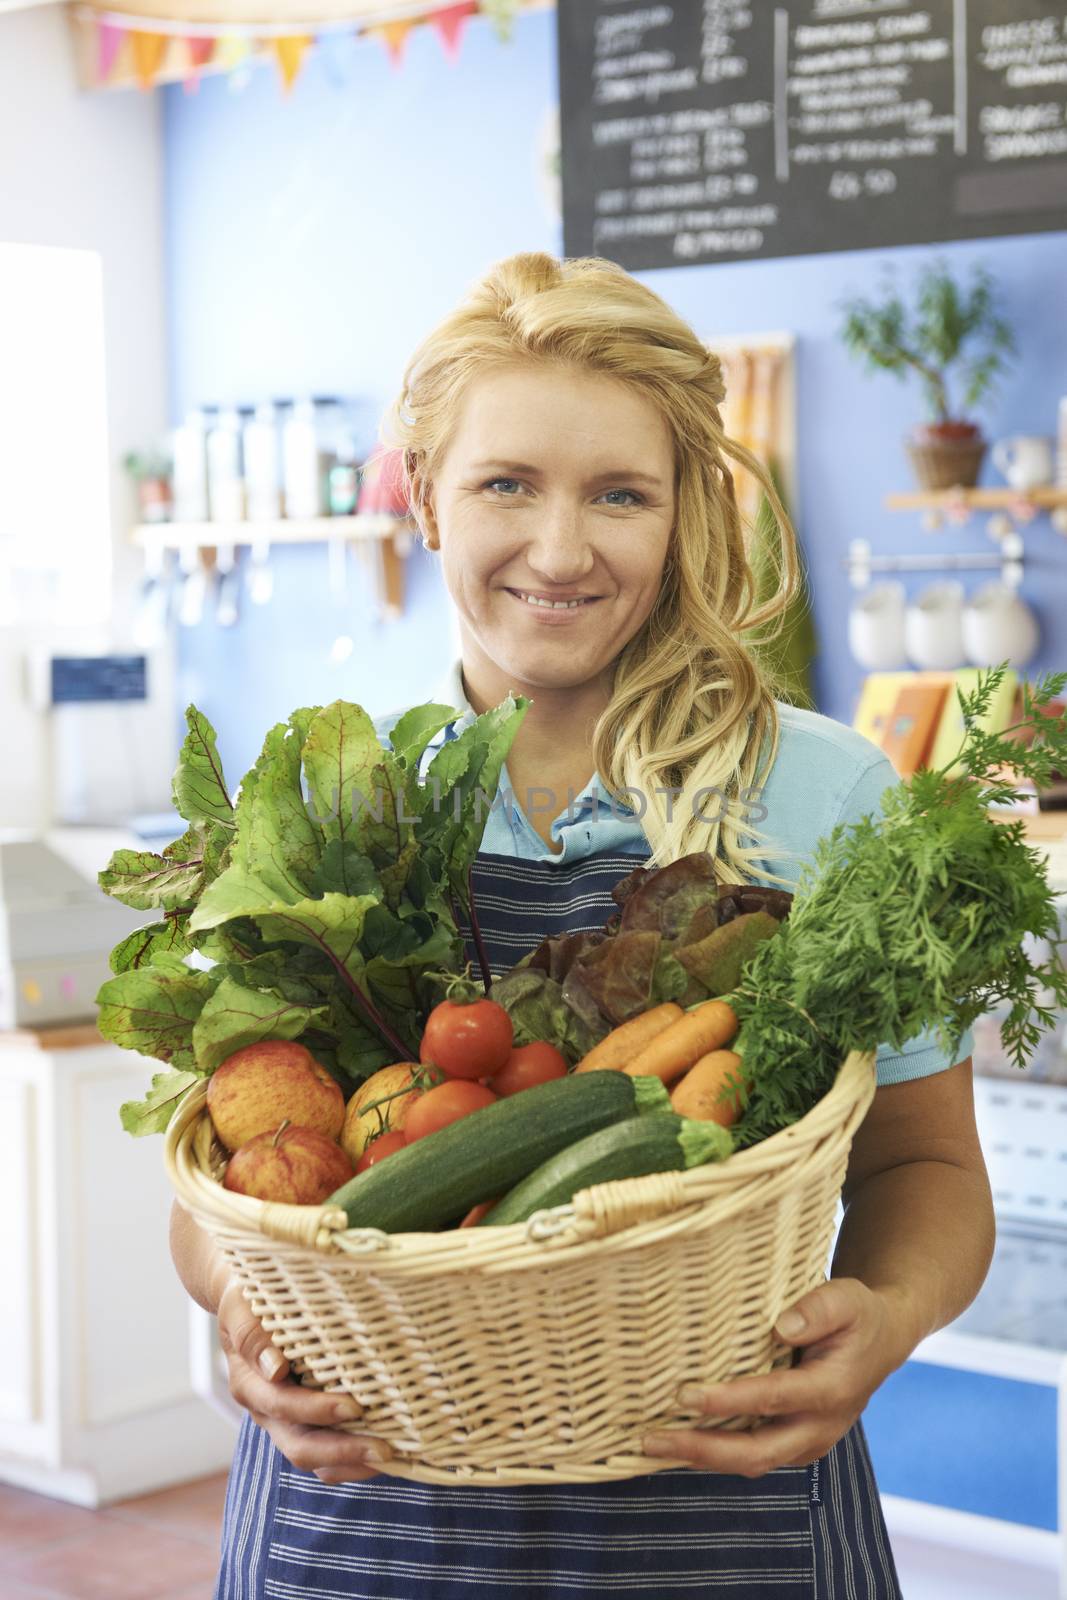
[[722, 130]]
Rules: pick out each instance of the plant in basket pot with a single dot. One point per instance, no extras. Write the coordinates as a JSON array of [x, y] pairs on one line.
[[953, 339]]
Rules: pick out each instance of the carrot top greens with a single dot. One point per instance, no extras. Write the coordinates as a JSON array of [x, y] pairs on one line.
[[910, 920]]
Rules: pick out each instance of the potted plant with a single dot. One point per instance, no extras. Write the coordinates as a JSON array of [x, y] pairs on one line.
[[950, 331], [151, 472]]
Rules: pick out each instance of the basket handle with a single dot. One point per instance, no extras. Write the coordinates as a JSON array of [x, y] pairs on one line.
[[607, 1208]]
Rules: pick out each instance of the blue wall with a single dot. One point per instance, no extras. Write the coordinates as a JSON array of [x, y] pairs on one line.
[[313, 240]]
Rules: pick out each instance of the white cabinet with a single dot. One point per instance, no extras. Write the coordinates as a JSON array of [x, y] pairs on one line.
[[96, 1400]]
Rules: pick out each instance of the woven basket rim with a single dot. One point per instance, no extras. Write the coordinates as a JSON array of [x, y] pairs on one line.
[[324, 1228]]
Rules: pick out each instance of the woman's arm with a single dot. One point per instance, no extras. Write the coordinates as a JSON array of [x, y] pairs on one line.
[[918, 1222], [201, 1267], [913, 1250]]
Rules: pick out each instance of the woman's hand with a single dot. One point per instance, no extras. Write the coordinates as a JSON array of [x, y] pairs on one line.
[[852, 1338], [300, 1421]]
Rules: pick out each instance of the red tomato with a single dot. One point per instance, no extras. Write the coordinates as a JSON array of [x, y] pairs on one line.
[[447, 1103], [467, 1039], [529, 1064], [378, 1149]]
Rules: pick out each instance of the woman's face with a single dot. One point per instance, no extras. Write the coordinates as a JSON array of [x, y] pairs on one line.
[[557, 485]]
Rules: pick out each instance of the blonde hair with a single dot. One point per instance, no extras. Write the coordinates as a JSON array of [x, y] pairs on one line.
[[693, 701]]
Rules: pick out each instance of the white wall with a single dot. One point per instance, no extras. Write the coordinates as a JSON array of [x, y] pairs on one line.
[[85, 170]]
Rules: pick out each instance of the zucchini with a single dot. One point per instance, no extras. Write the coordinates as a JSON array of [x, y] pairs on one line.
[[437, 1179], [630, 1149]]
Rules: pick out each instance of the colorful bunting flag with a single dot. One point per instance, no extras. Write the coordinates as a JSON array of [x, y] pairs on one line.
[[449, 23], [334, 48], [109, 42], [231, 53], [148, 51], [395, 35], [200, 51], [290, 53]]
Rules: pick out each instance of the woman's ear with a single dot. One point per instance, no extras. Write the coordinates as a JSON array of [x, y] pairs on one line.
[[422, 502]]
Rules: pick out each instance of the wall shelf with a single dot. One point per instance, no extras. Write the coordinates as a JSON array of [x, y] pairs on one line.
[[1011, 508], [383, 541], [1048, 499], [314, 530]]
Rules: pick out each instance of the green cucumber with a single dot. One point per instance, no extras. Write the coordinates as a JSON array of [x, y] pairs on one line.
[[439, 1178], [630, 1149]]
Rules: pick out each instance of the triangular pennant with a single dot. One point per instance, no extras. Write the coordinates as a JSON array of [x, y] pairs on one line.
[[230, 50], [290, 53], [108, 44], [334, 49], [394, 35], [148, 50], [449, 24], [200, 52]]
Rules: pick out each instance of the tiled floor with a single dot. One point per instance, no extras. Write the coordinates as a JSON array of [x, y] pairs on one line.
[[164, 1546], [161, 1546]]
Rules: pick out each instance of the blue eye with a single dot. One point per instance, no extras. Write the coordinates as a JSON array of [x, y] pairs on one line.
[[635, 498]]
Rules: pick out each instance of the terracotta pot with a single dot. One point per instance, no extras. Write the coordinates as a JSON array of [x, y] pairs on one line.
[[946, 455]]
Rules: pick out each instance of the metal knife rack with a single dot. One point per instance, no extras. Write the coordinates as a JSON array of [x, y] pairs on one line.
[[860, 563]]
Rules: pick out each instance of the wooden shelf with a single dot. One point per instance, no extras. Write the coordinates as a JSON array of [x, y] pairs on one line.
[[316, 530], [384, 541], [981, 499]]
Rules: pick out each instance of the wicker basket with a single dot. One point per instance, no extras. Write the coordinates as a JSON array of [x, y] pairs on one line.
[[540, 1352], [946, 463]]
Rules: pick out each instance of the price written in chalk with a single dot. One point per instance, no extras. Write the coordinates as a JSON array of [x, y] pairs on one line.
[[846, 185]]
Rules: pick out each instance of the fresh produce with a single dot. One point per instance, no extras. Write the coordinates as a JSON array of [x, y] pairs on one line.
[[266, 1083], [294, 1165], [467, 1039], [665, 945], [386, 1144], [712, 1090], [621, 1045], [379, 1105], [529, 1064], [438, 1179], [316, 902], [672, 1052], [630, 1149], [438, 1108], [476, 1213], [915, 918]]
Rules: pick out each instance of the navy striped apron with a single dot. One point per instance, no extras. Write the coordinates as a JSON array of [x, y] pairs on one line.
[[799, 1533]]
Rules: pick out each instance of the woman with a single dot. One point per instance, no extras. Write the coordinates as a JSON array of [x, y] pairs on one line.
[[565, 455]]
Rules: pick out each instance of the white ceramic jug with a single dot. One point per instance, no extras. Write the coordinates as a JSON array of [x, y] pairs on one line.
[[998, 625], [934, 627]]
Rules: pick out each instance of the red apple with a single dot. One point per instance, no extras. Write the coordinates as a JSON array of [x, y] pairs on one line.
[[268, 1083], [298, 1166]]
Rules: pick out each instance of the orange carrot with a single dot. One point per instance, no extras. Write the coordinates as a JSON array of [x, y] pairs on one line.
[[618, 1048], [476, 1213], [700, 1094], [708, 1027]]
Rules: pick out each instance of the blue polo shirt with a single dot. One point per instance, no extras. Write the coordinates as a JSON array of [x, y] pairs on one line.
[[824, 773]]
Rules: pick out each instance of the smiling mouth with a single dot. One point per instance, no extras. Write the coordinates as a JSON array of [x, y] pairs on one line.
[[553, 605]]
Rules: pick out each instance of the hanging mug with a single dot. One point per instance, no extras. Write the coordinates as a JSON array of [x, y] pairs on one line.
[[876, 627], [998, 625], [933, 627], [1026, 461]]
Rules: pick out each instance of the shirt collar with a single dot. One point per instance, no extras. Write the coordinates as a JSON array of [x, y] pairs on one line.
[[450, 692]]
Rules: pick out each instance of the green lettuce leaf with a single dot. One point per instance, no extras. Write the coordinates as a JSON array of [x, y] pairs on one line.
[[140, 949], [153, 1009], [153, 1113], [199, 788], [235, 1015]]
